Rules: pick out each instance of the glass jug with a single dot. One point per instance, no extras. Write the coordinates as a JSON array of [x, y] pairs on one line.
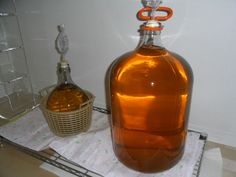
[[66, 96], [150, 89]]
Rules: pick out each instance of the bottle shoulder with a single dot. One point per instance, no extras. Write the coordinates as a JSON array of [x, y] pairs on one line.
[[65, 86], [163, 72], [67, 89], [153, 58], [65, 98]]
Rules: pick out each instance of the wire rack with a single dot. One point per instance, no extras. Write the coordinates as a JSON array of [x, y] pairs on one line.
[[51, 157]]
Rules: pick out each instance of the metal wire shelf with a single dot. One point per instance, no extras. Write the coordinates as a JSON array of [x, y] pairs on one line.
[[51, 157]]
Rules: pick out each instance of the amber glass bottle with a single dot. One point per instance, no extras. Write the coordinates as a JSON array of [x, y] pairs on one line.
[[67, 96], [150, 99]]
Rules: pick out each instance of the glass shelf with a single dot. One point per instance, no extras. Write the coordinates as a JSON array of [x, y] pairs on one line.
[[15, 104], [16, 91], [6, 14], [10, 49], [12, 77], [16, 96]]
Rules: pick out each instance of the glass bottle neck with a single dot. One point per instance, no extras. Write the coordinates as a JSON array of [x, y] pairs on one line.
[[64, 75], [151, 38]]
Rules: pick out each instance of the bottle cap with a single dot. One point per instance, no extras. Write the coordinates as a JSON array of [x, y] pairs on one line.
[[153, 20]]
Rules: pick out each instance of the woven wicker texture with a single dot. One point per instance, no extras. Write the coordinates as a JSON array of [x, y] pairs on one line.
[[67, 123]]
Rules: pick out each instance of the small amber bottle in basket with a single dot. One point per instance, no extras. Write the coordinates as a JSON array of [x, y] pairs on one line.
[[67, 96], [67, 107]]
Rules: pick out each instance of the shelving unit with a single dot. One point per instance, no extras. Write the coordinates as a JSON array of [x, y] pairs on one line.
[[59, 162], [16, 93]]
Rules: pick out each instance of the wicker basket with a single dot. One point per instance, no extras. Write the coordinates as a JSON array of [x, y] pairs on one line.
[[67, 123]]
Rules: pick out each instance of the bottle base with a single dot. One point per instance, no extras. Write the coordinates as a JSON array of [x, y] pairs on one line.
[[162, 161]]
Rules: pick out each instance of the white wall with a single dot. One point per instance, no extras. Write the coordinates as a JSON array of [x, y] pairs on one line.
[[99, 31]]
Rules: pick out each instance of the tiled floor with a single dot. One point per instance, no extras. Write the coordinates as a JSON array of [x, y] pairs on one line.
[[228, 157]]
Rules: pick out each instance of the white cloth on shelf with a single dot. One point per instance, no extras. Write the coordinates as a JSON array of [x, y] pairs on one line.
[[93, 149]]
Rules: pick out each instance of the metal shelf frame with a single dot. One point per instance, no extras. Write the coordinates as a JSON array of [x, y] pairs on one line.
[[51, 157]]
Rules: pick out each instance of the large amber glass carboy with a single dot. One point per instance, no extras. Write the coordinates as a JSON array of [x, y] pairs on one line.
[[150, 91]]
